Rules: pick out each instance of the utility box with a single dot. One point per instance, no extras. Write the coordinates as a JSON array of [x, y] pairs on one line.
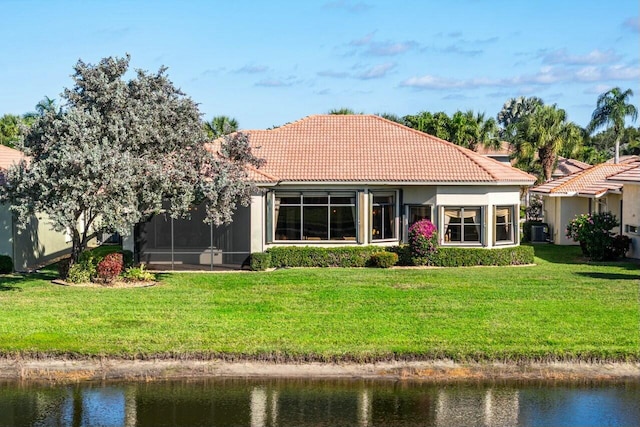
[[208, 254], [540, 233]]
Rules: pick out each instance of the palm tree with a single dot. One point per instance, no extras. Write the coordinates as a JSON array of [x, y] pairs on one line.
[[342, 111], [220, 125], [544, 133], [438, 124], [513, 111], [611, 110]]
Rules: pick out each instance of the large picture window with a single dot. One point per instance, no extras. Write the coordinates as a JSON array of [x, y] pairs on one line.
[[504, 220], [383, 218], [463, 225], [315, 216]]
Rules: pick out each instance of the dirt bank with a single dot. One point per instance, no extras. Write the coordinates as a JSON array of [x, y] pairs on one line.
[[99, 369]]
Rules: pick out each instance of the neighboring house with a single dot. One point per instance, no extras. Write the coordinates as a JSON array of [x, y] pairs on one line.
[[630, 217], [501, 154], [586, 191], [340, 180], [38, 243]]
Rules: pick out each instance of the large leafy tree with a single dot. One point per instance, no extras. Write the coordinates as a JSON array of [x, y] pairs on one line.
[[611, 110], [541, 136], [220, 126], [118, 150]]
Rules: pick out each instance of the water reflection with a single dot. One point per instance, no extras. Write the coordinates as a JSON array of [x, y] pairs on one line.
[[280, 402]]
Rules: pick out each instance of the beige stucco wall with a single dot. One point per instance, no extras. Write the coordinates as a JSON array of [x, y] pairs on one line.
[[631, 216], [38, 244], [6, 231], [559, 211], [482, 195]]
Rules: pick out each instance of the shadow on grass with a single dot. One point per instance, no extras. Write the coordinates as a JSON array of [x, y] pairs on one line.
[[9, 282], [559, 254], [609, 276]]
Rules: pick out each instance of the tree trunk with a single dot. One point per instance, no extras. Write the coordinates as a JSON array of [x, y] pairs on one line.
[[547, 159], [76, 247]]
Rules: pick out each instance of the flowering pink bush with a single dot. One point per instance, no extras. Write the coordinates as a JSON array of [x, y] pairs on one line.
[[423, 241]]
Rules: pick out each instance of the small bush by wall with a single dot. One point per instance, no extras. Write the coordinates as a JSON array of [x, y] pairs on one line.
[[6, 264], [260, 261], [384, 259], [307, 256]]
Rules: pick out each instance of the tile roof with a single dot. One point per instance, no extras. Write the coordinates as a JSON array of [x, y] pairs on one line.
[[630, 175], [566, 166], [8, 157], [367, 148], [589, 182]]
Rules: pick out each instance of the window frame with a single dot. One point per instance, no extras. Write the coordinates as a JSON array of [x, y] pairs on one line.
[[394, 205], [512, 224], [462, 224], [272, 224]]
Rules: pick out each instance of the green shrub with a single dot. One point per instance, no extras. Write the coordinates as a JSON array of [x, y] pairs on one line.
[[6, 264], [621, 245], [307, 256], [466, 257], [138, 274], [526, 230], [593, 231], [127, 258], [384, 259], [404, 254], [78, 273], [260, 261]]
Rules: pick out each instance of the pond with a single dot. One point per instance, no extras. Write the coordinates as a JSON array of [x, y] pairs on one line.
[[308, 402]]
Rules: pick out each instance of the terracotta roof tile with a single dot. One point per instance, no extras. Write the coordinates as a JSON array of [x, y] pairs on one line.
[[366, 148], [589, 182], [566, 166], [8, 157], [630, 175]]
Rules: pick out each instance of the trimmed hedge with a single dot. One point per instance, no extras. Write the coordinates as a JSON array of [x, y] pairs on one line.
[[466, 257], [384, 259], [363, 256], [307, 256], [6, 264], [260, 261]]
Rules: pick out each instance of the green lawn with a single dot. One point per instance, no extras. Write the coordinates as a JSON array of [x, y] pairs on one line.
[[560, 308]]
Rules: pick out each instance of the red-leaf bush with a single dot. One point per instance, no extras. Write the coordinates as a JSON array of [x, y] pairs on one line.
[[423, 242], [110, 267]]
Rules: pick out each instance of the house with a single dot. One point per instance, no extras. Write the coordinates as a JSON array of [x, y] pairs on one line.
[[340, 180], [38, 243], [586, 191], [630, 215]]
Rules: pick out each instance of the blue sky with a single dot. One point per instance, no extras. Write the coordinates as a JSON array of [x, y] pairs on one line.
[[269, 63]]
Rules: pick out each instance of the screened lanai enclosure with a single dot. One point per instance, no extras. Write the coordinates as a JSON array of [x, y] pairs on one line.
[[164, 243]]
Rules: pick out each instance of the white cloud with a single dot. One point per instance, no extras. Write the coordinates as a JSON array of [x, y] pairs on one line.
[[546, 76], [561, 56], [333, 74], [253, 69], [273, 83], [377, 71]]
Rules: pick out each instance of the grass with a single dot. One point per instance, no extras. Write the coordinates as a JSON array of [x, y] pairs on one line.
[[563, 308]]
